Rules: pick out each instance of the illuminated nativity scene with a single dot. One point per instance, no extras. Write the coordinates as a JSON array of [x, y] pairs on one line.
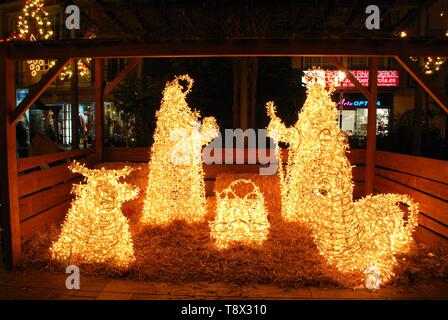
[[308, 206], [106, 143]]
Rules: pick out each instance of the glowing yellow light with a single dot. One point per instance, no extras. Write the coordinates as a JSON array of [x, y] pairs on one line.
[[95, 230], [433, 64], [83, 70], [243, 220], [176, 188], [403, 34], [317, 190], [38, 15]]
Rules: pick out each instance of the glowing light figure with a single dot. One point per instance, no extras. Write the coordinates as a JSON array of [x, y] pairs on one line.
[[95, 230], [176, 188], [317, 190], [243, 220]]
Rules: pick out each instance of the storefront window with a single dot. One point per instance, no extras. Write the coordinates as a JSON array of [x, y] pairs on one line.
[[354, 116], [119, 127]]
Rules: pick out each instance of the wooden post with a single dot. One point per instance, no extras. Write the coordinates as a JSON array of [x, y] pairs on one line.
[[75, 105], [99, 108], [8, 162], [371, 126], [236, 93], [244, 94]]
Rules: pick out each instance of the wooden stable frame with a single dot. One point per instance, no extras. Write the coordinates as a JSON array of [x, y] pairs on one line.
[[44, 185], [425, 180], [19, 210]]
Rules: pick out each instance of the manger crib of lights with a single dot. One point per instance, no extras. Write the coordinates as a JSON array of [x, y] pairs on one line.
[[238, 219]]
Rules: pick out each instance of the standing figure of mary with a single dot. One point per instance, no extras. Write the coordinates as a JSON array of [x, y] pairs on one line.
[[176, 188]]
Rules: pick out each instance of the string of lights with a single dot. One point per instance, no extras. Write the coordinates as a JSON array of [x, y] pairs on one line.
[[317, 191], [95, 230], [240, 219], [176, 188]]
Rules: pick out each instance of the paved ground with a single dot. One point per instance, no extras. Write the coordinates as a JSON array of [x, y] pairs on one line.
[[45, 285]]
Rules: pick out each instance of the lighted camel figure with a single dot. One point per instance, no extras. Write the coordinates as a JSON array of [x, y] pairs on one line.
[[317, 190], [176, 188], [95, 230]]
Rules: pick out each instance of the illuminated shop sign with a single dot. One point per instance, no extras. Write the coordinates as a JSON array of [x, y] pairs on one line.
[[386, 78], [357, 103]]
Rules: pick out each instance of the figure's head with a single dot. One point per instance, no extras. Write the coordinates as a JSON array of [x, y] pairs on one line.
[[175, 93]]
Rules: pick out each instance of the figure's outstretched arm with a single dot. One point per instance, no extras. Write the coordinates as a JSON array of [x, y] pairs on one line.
[[209, 130], [277, 129], [128, 191]]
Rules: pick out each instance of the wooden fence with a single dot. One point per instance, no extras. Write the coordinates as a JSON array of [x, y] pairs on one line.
[[44, 185], [425, 180], [243, 157]]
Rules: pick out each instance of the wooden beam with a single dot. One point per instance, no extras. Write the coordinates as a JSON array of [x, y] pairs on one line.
[[32, 162], [74, 90], [427, 83], [120, 77], [96, 48], [337, 63], [99, 108], [8, 163], [109, 13], [371, 126], [37, 90]]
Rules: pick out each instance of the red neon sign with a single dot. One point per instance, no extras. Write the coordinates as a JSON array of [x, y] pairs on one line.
[[386, 78]]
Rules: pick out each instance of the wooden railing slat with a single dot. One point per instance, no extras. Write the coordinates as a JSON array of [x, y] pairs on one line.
[[433, 225], [431, 206], [422, 167], [32, 162], [38, 180], [41, 221], [30, 206], [434, 188], [430, 238]]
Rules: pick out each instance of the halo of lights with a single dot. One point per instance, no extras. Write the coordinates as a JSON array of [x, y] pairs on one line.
[[176, 188], [95, 230], [243, 220], [317, 190]]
